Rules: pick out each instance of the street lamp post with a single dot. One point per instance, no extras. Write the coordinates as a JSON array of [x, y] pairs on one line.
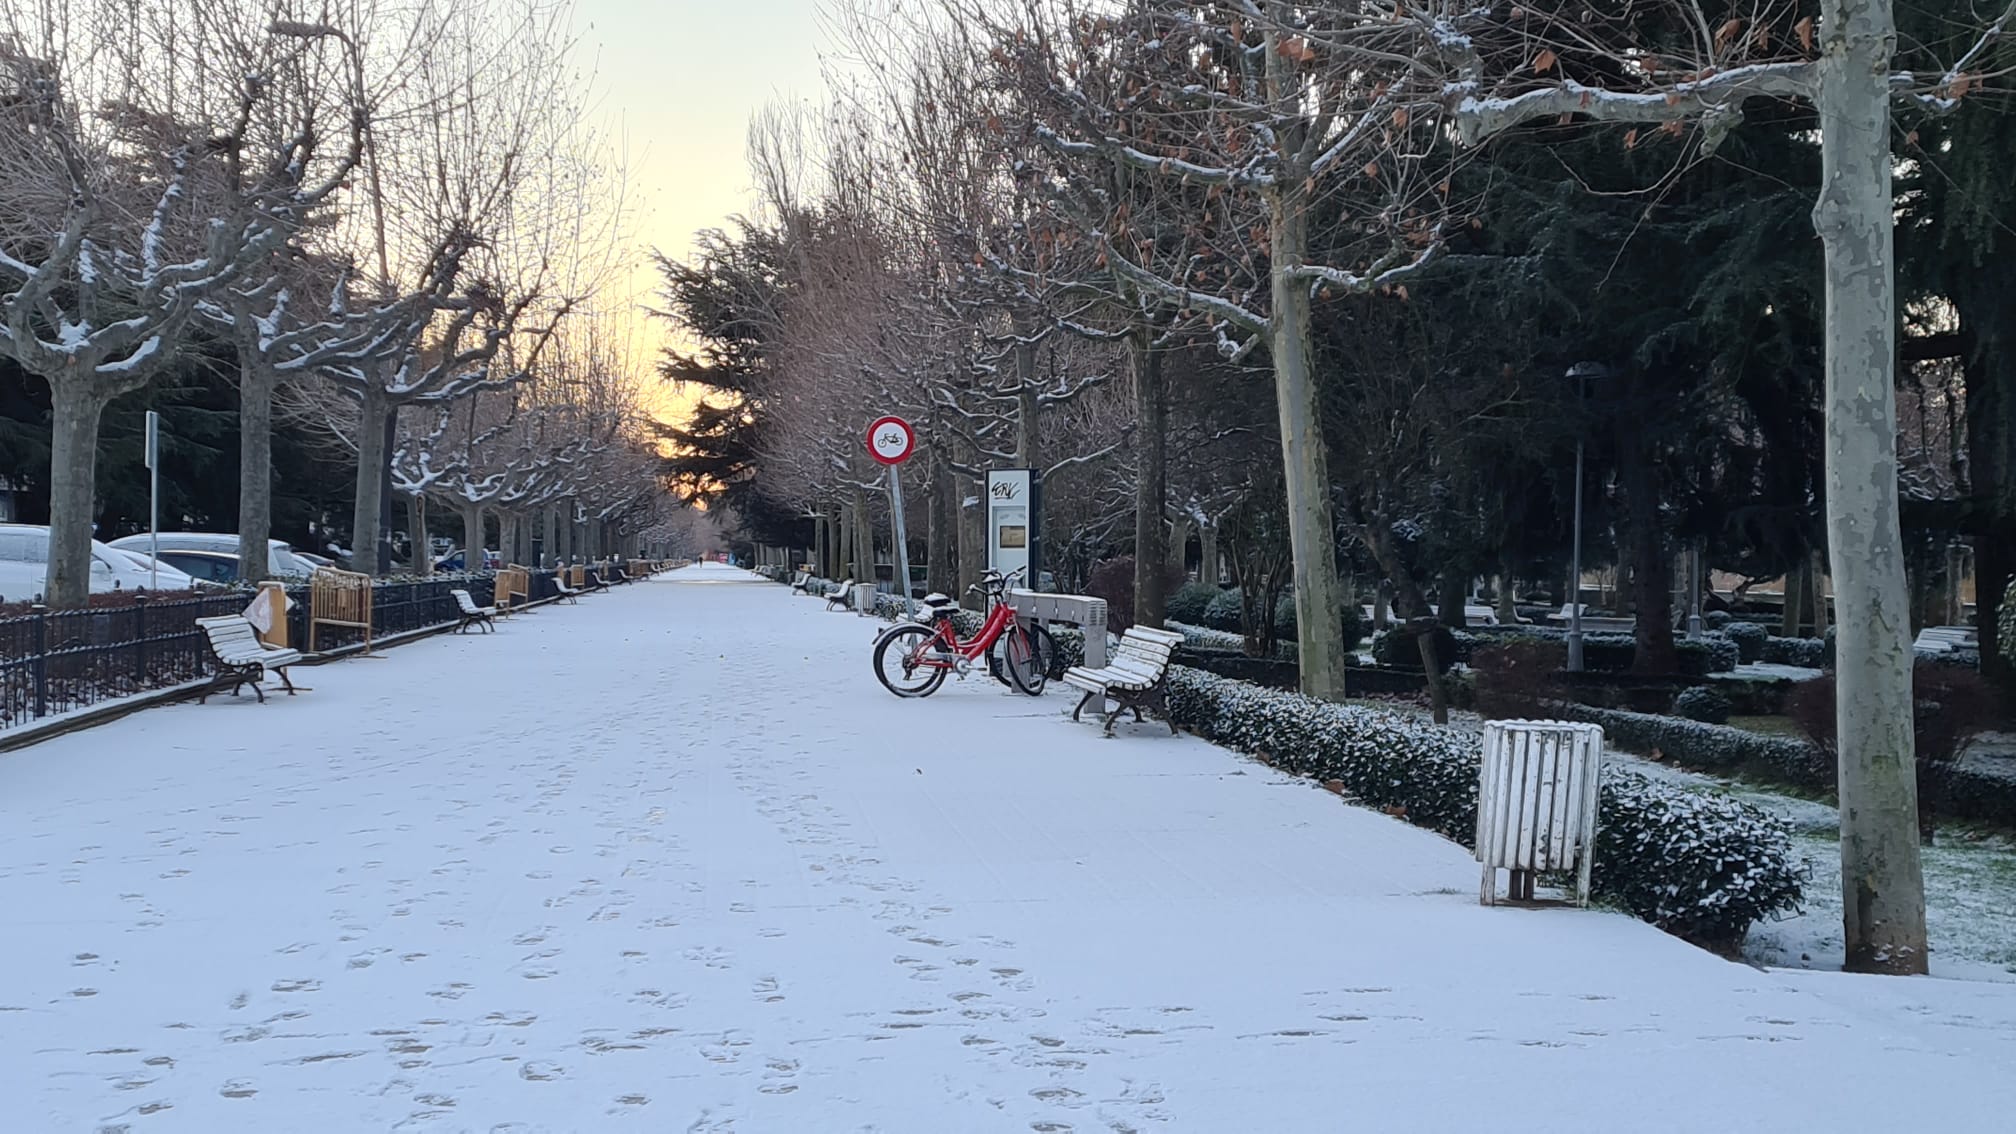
[[1582, 373]]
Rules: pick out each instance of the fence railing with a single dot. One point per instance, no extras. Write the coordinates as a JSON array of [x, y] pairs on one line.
[[58, 661]]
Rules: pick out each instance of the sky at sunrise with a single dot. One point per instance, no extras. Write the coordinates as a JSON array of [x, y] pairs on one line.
[[677, 82]]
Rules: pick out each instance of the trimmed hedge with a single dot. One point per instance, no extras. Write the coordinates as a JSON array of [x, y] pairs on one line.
[[1704, 704], [1601, 653], [1703, 867], [1812, 653], [1712, 747], [1749, 638]]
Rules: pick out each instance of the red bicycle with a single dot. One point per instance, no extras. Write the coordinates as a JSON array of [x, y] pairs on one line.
[[913, 658]]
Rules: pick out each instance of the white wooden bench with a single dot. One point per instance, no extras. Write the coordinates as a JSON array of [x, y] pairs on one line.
[[471, 614], [1945, 639], [802, 585], [242, 659], [566, 593], [1135, 679], [841, 597]]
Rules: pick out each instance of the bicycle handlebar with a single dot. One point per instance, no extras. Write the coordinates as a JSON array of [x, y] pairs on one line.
[[993, 582]]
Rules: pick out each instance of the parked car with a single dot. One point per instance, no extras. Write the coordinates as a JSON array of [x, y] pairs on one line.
[[205, 566], [24, 566], [279, 553], [453, 561], [317, 560], [166, 576]]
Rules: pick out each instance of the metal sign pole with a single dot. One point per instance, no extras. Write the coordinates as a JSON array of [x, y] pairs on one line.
[[902, 540], [154, 500]]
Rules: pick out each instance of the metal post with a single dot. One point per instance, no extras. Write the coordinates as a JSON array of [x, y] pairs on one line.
[[154, 500], [1694, 580], [902, 540], [1575, 574]]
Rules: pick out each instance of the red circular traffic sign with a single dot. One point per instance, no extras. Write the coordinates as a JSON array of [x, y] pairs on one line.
[[891, 440]]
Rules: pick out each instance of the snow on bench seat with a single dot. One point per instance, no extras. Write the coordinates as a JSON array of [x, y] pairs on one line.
[[1133, 679], [242, 659]]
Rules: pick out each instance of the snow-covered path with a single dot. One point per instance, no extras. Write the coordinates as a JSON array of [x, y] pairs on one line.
[[670, 860]]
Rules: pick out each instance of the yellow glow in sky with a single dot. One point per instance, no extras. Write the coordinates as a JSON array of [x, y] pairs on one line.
[[678, 81]]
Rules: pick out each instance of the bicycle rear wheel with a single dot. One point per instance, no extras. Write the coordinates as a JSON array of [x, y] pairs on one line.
[[900, 663], [1026, 653]]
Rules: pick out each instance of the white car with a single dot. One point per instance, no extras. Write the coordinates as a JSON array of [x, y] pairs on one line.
[[280, 557], [24, 566], [170, 578]]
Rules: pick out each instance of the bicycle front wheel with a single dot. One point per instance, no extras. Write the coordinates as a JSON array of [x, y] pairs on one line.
[[902, 664], [1026, 654]]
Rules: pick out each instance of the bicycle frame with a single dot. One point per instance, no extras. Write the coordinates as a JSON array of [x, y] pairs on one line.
[[999, 617]]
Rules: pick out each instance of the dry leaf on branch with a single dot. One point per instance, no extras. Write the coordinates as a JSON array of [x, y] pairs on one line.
[[1544, 62], [1727, 33], [1631, 138], [1804, 29]]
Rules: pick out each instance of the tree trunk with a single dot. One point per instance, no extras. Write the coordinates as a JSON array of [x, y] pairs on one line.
[[1305, 465], [472, 537], [373, 414], [416, 531], [1151, 427], [1208, 571], [940, 523], [1651, 567], [1455, 589], [1986, 297], [567, 530], [73, 492], [1179, 546], [255, 466], [972, 534], [1508, 599], [1818, 592], [1882, 879], [1028, 408], [1794, 615], [864, 538], [551, 536]]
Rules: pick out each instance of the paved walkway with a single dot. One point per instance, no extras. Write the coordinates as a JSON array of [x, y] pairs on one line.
[[670, 860]]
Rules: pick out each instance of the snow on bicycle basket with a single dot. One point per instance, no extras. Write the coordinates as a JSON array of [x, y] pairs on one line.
[[1536, 804]]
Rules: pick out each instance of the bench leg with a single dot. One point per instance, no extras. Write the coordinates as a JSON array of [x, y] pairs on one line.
[[254, 681], [1082, 702], [1120, 707], [286, 681]]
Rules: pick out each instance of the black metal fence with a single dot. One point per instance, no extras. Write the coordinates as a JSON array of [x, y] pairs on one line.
[[56, 661]]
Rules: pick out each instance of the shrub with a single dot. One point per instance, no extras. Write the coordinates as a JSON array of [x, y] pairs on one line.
[[1718, 619], [1712, 653], [1285, 625], [1702, 703], [1812, 653], [1949, 707], [1222, 612], [1701, 866], [2005, 633], [1749, 638], [1189, 601], [1397, 647], [1518, 679]]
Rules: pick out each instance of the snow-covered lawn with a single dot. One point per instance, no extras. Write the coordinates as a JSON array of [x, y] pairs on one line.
[[671, 860]]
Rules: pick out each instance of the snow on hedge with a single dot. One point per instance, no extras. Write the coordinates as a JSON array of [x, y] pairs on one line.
[[1704, 867]]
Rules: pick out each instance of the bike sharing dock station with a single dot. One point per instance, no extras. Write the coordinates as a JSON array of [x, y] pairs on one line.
[[1015, 542], [1014, 505]]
